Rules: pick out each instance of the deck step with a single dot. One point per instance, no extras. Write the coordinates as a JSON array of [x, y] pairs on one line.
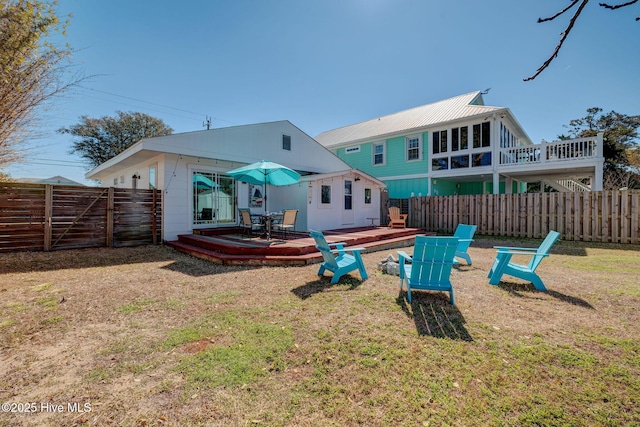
[[237, 259], [234, 250]]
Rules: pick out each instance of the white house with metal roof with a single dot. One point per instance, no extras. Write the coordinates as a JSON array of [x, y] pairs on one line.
[[190, 168], [462, 146]]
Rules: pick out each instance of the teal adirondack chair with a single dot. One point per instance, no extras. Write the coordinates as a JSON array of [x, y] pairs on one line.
[[464, 233], [503, 265], [430, 266], [341, 264]]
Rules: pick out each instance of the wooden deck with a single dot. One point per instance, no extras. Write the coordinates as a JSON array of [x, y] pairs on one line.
[[230, 247]]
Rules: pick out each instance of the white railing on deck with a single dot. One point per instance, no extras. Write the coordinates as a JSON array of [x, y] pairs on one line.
[[557, 151], [572, 185]]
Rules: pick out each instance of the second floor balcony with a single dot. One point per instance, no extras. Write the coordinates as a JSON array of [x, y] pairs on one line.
[[565, 152]]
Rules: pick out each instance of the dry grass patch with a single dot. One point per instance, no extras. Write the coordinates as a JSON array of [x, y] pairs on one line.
[[149, 336]]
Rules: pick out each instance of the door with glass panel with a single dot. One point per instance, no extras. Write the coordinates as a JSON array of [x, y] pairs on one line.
[[347, 207], [214, 199]]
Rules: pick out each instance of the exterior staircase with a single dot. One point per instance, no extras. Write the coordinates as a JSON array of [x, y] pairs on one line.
[[567, 185]]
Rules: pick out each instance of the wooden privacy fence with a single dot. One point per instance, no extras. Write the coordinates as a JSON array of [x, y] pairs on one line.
[[45, 217], [603, 216]]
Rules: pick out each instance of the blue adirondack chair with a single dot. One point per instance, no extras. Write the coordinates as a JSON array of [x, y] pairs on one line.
[[503, 265], [464, 233], [341, 264], [430, 266]]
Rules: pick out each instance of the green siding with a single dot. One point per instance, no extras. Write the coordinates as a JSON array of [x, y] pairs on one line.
[[360, 160], [443, 187], [402, 188], [395, 163], [467, 188]]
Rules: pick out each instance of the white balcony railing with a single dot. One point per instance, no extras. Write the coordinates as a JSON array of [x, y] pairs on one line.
[[551, 152]]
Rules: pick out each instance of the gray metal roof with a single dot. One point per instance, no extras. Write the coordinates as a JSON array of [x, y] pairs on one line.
[[456, 108]]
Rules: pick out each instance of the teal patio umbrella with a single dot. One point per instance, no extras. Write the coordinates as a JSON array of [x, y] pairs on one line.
[[265, 172]]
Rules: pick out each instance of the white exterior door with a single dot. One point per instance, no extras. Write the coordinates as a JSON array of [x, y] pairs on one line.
[[347, 202]]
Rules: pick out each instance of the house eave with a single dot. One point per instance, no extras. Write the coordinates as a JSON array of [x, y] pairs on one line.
[[493, 112], [352, 172]]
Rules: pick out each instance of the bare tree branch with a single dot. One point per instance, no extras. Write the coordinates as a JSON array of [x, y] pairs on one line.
[[618, 6], [551, 18], [567, 30], [565, 34]]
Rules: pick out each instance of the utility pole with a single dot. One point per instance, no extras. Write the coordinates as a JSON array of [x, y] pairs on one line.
[[207, 123]]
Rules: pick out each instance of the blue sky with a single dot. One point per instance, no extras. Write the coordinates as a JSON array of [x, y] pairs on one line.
[[330, 63]]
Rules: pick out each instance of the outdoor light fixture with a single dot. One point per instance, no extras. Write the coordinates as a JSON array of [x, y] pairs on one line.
[[135, 177]]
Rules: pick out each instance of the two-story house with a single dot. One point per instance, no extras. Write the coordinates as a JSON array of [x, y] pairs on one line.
[[461, 146]]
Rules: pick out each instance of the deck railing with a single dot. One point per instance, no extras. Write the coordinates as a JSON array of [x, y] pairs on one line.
[[572, 185], [557, 151]]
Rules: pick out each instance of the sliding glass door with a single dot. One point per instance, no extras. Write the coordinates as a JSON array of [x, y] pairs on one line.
[[214, 199]]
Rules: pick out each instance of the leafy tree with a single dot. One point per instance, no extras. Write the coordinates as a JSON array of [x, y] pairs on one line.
[[633, 155], [99, 140], [572, 21], [32, 70], [620, 133], [620, 149]]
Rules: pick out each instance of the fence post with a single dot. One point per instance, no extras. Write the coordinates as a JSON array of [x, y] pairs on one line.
[[110, 203], [48, 216], [154, 215], [384, 207]]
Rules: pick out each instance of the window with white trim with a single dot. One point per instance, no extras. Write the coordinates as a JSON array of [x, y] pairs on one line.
[[440, 142], [325, 194], [482, 135], [379, 153], [463, 147], [367, 196], [350, 150], [286, 142], [413, 146], [460, 138]]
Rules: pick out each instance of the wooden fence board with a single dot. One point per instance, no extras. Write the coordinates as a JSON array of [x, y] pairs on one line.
[[44, 217], [634, 213], [604, 213], [609, 216]]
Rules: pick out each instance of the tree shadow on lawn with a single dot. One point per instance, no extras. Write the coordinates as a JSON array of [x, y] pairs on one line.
[[323, 284], [434, 315], [204, 268], [521, 290], [27, 262]]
